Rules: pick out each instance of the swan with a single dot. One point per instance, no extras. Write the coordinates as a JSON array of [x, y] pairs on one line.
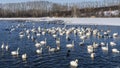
[[58, 41], [88, 34], [58, 48], [114, 50], [28, 36], [92, 55], [37, 44], [105, 48], [74, 63], [21, 34], [43, 33], [70, 45], [43, 42], [6, 47], [54, 35], [102, 43], [52, 49], [95, 45], [83, 37], [15, 53], [27, 31], [24, 56], [90, 48], [112, 43], [115, 34], [81, 43], [95, 32], [38, 34], [106, 33], [2, 46], [39, 51]]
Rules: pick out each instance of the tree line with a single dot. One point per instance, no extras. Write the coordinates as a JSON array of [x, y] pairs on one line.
[[45, 8]]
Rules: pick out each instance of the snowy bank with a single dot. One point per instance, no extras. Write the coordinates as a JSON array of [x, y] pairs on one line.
[[75, 21]]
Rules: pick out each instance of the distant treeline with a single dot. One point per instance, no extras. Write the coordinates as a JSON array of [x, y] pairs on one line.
[[104, 8]]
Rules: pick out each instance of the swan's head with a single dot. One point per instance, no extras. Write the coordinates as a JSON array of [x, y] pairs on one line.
[[76, 60]]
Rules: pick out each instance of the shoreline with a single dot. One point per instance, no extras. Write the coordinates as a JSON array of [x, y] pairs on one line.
[[72, 21]]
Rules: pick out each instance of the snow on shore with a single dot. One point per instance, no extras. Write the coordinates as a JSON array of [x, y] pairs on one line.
[[75, 21]]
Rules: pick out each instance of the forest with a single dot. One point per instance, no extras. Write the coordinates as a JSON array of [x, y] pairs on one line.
[[107, 8]]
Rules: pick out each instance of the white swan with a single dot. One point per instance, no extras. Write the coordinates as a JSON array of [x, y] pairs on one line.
[[112, 43], [92, 55], [37, 45], [114, 50], [2, 46], [102, 43], [24, 56], [15, 53], [43, 42], [90, 48], [38, 34], [58, 41], [6, 47], [115, 35], [39, 51], [21, 34], [105, 48], [74, 63], [95, 45], [70, 45], [52, 49]]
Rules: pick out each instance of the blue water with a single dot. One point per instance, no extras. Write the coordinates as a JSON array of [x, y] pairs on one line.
[[56, 59]]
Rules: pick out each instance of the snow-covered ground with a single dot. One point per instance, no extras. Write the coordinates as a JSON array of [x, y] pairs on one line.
[[75, 21]]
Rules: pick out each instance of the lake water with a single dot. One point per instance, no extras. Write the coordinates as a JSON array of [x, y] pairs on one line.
[[57, 59]]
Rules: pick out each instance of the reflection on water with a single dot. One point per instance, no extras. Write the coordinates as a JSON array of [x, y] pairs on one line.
[[10, 31]]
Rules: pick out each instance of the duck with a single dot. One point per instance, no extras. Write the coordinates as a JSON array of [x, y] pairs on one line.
[[74, 63], [15, 53]]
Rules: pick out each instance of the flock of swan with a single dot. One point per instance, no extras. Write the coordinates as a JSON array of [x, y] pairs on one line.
[[55, 32]]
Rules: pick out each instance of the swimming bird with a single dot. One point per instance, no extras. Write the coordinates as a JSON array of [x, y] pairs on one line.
[[37, 44], [2, 46], [105, 48], [15, 53], [24, 56], [70, 45], [90, 48], [39, 51], [6, 47], [43, 42], [92, 55], [115, 35], [114, 50], [51, 49], [74, 63], [112, 43]]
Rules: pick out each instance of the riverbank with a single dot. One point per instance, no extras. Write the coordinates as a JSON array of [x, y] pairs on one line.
[[74, 21]]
